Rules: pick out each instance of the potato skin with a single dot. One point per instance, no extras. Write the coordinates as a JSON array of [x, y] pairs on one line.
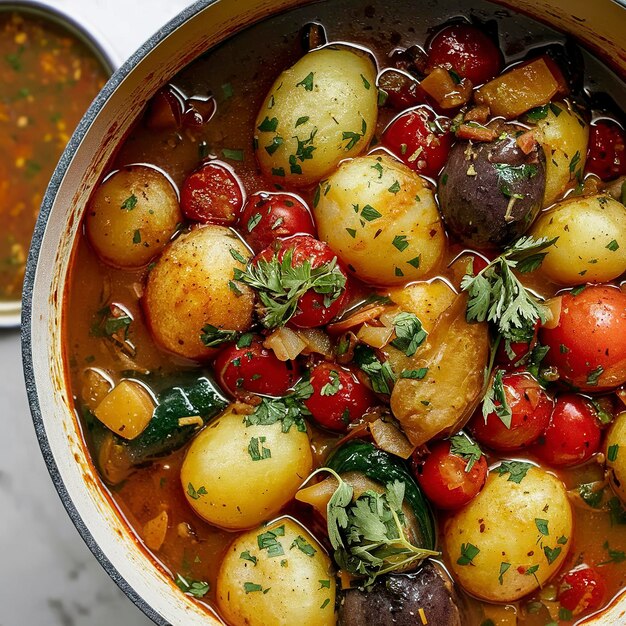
[[189, 288], [381, 220], [319, 111], [300, 588], [564, 138], [132, 216], [490, 193], [240, 491], [502, 523], [591, 245], [616, 442]]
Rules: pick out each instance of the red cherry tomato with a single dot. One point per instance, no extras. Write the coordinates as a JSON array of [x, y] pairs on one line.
[[606, 155], [444, 478], [338, 398], [212, 194], [416, 138], [312, 310], [520, 349], [253, 369], [582, 589], [530, 408], [466, 50], [588, 345], [573, 434], [267, 216]]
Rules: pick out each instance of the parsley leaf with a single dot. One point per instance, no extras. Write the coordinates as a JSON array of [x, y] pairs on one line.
[[196, 588], [495, 401], [130, 203], [461, 445], [257, 451], [468, 552], [303, 545], [409, 333], [269, 541], [333, 386], [516, 470], [212, 336], [380, 373]]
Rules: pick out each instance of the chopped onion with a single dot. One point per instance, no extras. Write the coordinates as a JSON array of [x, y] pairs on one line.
[[375, 336], [366, 314], [316, 340], [285, 343], [554, 306], [390, 438]]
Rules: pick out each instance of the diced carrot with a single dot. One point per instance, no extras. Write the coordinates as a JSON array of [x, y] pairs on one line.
[[527, 141], [443, 89], [522, 88], [476, 133], [478, 114]]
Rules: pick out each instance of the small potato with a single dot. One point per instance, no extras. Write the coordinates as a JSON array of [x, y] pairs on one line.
[[277, 574], [513, 536], [381, 220], [236, 476], [191, 286], [564, 137], [319, 111], [132, 216], [591, 244], [615, 452]]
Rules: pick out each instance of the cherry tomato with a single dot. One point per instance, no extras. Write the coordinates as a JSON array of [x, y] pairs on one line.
[[419, 139], [466, 50], [338, 397], [606, 155], [444, 478], [573, 434], [588, 345], [311, 311], [212, 194], [267, 216], [582, 589], [520, 349], [250, 368], [530, 414]]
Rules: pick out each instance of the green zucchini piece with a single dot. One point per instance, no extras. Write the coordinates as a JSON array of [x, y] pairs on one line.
[[357, 455]]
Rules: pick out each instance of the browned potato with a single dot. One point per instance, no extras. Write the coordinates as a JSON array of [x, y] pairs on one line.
[[191, 286], [455, 354], [132, 216]]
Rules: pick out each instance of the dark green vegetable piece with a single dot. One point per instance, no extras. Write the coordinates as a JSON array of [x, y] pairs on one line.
[[360, 456]]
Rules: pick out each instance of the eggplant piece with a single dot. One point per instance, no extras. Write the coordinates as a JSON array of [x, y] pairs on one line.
[[400, 600], [490, 193]]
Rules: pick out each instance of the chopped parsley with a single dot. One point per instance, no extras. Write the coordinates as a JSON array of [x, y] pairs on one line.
[[212, 336], [195, 588], [461, 445], [269, 541], [195, 494], [409, 333], [307, 82], [468, 553], [516, 470], [400, 243], [257, 451], [130, 203], [382, 377], [303, 545], [333, 386]]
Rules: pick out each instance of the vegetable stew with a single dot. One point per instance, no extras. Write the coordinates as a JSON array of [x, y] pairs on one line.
[[345, 324]]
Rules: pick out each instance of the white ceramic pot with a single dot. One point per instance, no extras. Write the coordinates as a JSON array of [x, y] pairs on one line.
[[599, 24]]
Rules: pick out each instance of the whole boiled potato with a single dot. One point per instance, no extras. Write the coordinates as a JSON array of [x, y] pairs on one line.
[[564, 136], [277, 574], [319, 111], [490, 192], [591, 245], [513, 536], [132, 216], [381, 220], [236, 476], [191, 286], [615, 452]]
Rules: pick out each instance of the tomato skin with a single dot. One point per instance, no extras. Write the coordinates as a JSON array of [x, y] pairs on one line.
[[311, 310], [573, 434], [336, 411], [590, 334], [582, 589], [606, 154], [212, 194], [444, 480], [267, 216], [530, 408], [254, 369], [411, 133], [466, 50]]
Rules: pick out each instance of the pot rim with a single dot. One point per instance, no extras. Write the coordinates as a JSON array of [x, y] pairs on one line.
[[28, 288]]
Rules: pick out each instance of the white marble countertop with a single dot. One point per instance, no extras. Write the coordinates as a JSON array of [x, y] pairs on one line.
[[48, 577]]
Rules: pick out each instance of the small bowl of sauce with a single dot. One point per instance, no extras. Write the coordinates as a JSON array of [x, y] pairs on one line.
[[51, 69]]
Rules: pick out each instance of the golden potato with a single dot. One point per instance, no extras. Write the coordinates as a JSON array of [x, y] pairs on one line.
[[513, 536], [236, 476], [319, 111], [592, 240], [564, 137], [132, 216], [615, 452], [191, 286], [277, 574], [381, 220]]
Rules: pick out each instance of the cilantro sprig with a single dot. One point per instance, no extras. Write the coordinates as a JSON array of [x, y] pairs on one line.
[[495, 400], [497, 295], [280, 285], [461, 445]]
